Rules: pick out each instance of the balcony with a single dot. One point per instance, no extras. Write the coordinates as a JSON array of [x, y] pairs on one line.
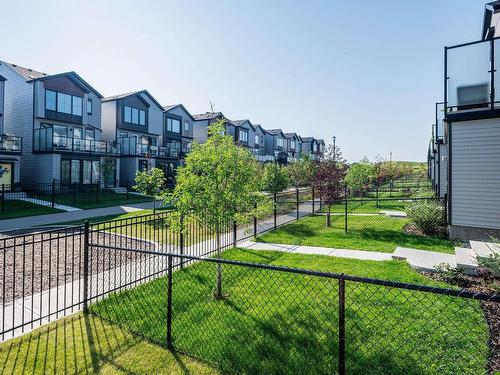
[[471, 82], [130, 146], [439, 123], [10, 144], [169, 152], [46, 141]]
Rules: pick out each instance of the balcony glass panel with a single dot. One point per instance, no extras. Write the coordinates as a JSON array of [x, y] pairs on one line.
[[10, 143], [469, 76]]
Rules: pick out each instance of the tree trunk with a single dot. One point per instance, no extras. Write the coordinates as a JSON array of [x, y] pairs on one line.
[[328, 218], [218, 292]]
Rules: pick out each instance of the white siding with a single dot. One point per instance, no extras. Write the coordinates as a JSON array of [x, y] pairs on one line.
[[475, 185], [443, 165]]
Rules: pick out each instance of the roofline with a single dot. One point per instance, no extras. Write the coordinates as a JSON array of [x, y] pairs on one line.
[[2, 78], [184, 108], [70, 74]]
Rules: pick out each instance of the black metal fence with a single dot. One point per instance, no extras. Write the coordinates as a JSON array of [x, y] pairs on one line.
[[31, 199], [146, 275]]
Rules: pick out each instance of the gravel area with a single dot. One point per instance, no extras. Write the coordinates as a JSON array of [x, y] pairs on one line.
[[39, 261]]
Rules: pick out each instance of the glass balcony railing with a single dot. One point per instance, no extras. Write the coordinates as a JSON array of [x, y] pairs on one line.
[[10, 144], [471, 78], [45, 140], [130, 146], [440, 122], [169, 152]]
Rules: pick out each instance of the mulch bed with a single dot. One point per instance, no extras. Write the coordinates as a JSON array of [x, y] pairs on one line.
[[491, 311], [40, 261]]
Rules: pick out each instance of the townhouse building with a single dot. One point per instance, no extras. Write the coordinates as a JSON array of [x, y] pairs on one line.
[[134, 121], [471, 133], [10, 148], [177, 137], [204, 120], [275, 145], [293, 146], [244, 133], [58, 117], [313, 147], [259, 149]]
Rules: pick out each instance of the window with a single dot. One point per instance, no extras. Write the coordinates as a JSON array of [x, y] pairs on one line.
[[127, 114], [50, 100], [134, 115], [65, 171], [75, 171], [279, 142], [173, 125], [142, 118], [243, 136], [123, 134], [256, 139], [89, 134], [63, 103], [87, 172], [315, 146], [77, 106], [89, 107], [186, 126], [292, 145]]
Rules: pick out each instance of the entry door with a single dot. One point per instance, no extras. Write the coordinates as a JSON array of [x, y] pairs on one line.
[[6, 174]]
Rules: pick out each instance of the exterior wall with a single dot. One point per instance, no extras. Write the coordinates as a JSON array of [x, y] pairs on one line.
[[186, 118], [200, 131], [475, 174], [443, 169], [155, 116], [108, 121], [269, 144], [1, 106], [18, 120], [128, 168]]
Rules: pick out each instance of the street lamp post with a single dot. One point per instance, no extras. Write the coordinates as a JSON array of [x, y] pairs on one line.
[[334, 149]]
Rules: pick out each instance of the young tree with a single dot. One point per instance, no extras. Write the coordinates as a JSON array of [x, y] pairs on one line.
[[328, 184], [360, 176], [275, 178], [217, 184], [107, 171], [301, 171], [150, 182]]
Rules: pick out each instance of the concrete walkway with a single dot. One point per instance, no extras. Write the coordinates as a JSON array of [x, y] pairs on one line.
[[421, 260], [40, 202], [40, 220]]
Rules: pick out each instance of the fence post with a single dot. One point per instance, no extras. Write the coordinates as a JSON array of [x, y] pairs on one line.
[[312, 195], [74, 193], [86, 265], [235, 233], [341, 324], [297, 199], [53, 197], [3, 198], [275, 210], [345, 205], [255, 223], [169, 303], [181, 240]]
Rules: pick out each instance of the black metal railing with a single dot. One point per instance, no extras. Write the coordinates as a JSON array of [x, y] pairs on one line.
[[11, 144], [470, 76], [45, 140], [151, 275]]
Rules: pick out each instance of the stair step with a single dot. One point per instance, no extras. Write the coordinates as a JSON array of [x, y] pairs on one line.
[[484, 249], [466, 259]]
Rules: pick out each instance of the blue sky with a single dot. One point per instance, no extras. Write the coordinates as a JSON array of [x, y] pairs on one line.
[[368, 72]]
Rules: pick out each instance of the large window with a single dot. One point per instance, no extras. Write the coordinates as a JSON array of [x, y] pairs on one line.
[[256, 139], [279, 142], [173, 125], [243, 136], [186, 126], [63, 103], [134, 115], [292, 145]]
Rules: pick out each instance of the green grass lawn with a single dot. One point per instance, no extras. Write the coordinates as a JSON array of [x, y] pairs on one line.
[[375, 233], [284, 323], [89, 345], [16, 208], [86, 200]]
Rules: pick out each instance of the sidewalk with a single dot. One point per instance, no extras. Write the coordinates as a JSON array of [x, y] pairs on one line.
[[40, 220]]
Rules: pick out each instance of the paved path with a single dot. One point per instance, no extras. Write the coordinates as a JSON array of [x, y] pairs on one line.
[[40, 220], [58, 206]]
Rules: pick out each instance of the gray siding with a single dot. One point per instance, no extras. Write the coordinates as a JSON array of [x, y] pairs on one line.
[[18, 121], [475, 185], [200, 131], [1, 106], [155, 116], [108, 121], [186, 118]]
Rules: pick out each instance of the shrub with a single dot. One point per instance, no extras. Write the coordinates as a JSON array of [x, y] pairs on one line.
[[428, 216], [448, 273], [491, 264]]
